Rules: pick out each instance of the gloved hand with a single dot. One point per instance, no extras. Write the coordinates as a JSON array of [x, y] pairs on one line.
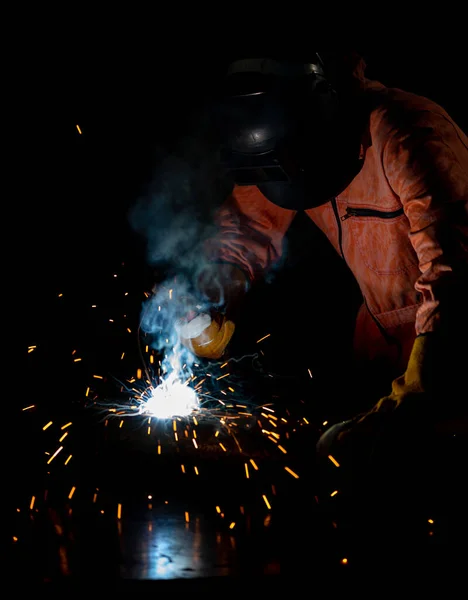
[[409, 395], [207, 333], [416, 379]]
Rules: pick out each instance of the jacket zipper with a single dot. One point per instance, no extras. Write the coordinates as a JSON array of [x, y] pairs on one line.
[[370, 212], [340, 232], [366, 212]]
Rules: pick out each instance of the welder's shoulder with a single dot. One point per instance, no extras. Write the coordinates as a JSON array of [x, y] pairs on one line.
[[401, 113]]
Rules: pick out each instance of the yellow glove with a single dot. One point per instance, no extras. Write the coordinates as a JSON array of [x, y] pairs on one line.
[[414, 381], [413, 385], [206, 335]]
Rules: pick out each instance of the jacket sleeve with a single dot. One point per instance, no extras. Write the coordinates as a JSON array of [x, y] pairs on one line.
[[427, 167], [250, 232]]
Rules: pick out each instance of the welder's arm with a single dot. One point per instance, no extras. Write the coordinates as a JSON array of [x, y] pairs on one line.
[[428, 169], [250, 232], [248, 241]]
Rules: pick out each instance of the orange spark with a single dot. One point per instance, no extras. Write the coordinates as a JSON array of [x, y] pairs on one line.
[[291, 472]]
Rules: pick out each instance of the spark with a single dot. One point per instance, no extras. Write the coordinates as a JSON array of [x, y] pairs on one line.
[[247, 471], [68, 459], [79, 130], [187, 517], [232, 525], [72, 491], [334, 461], [119, 511], [66, 425], [334, 493], [291, 472], [47, 425], [54, 455], [31, 505], [29, 407], [265, 499], [252, 462], [263, 338]]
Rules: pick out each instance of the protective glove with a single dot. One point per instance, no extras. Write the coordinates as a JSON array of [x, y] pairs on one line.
[[206, 334], [409, 395], [415, 381]]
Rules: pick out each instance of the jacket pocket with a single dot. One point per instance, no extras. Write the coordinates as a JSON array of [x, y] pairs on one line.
[[382, 239]]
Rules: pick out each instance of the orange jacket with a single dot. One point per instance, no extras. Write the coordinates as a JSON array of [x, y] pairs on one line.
[[389, 224]]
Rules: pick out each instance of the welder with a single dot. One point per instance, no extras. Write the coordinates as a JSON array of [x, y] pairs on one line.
[[383, 173]]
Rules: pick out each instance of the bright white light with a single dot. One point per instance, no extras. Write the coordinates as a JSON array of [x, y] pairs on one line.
[[170, 399]]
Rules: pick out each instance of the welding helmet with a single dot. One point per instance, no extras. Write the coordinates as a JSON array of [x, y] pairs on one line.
[[285, 128]]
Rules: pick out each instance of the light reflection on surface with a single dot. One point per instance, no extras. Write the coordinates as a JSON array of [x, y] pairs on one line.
[[169, 548]]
